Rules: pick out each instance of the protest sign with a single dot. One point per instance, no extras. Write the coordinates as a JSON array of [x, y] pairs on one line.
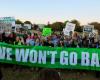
[[47, 57], [46, 31], [88, 28], [94, 33], [69, 28]]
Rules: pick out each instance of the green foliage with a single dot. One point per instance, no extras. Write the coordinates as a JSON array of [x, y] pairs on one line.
[[18, 22], [96, 25], [65, 22], [27, 22], [78, 28], [47, 26], [35, 27], [57, 26], [75, 22]]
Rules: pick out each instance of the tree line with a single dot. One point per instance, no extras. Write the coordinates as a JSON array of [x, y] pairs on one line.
[[58, 26]]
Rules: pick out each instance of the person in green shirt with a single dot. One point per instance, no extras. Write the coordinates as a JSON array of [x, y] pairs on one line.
[[18, 41]]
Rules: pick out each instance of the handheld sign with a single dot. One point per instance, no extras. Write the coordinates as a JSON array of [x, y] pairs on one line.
[[69, 28], [88, 28], [46, 31], [94, 33]]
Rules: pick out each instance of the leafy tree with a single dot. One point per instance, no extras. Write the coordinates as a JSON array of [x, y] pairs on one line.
[[47, 26], [78, 28], [27, 22], [57, 26], [75, 22], [65, 22], [96, 25], [35, 27], [18, 22]]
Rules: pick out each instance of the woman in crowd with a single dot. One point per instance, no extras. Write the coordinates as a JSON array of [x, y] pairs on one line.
[[19, 41]]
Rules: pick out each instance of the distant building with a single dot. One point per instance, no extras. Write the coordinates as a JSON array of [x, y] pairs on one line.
[[7, 23], [5, 27], [8, 20], [27, 26], [16, 27]]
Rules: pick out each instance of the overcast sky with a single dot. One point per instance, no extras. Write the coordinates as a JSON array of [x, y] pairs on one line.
[[42, 11]]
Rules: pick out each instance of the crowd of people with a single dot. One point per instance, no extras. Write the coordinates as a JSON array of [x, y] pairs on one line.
[[55, 40], [75, 40]]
